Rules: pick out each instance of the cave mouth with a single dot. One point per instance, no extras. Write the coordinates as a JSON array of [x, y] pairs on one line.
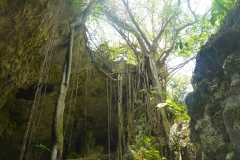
[[28, 93], [103, 141]]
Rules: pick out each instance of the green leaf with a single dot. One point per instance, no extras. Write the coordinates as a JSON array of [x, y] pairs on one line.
[[142, 90], [169, 101], [182, 53], [43, 147], [176, 47], [139, 101], [213, 19], [180, 45]]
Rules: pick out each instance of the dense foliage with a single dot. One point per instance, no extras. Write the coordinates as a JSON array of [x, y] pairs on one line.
[[219, 10], [149, 34]]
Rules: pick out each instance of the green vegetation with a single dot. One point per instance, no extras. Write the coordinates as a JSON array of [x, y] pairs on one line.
[[78, 5], [174, 111], [113, 52], [143, 149], [178, 88], [147, 34], [179, 113], [43, 147], [219, 10], [144, 146]]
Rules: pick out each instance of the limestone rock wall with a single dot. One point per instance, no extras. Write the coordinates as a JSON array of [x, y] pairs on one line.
[[28, 30], [214, 105]]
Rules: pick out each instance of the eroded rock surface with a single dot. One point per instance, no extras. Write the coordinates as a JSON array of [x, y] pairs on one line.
[[28, 30], [214, 105]]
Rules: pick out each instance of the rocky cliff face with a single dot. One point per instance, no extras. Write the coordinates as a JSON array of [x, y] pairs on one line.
[[26, 29], [32, 32], [214, 105]]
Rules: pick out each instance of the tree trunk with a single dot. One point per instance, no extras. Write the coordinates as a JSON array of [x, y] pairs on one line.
[[120, 121], [57, 125], [156, 83]]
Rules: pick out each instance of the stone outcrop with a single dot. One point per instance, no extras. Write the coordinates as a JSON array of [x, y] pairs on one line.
[[214, 105], [30, 30], [26, 30]]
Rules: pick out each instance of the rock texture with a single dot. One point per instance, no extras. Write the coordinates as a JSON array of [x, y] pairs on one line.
[[29, 32], [26, 29], [214, 105]]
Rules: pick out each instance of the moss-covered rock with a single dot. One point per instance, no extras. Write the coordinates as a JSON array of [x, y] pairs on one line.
[[31, 29], [26, 30], [214, 104]]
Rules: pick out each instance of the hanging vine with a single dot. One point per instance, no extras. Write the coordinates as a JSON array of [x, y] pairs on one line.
[[34, 119], [57, 126]]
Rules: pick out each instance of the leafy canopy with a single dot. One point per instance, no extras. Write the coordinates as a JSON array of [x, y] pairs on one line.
[[181, 27], [219, 10]]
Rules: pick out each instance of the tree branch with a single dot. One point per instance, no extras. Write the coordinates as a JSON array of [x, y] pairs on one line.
[[157, 38], [165, 54], [107, 74], [193, 12], [82, 18], [186, 25], [136, 24], [178, 66], [128, 28], [197, 6], [128, 42], [222, 6]]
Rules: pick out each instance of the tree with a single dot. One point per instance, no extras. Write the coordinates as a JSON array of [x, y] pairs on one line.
[[151, 43], [57, 124], [178, 88], [153, 30]]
